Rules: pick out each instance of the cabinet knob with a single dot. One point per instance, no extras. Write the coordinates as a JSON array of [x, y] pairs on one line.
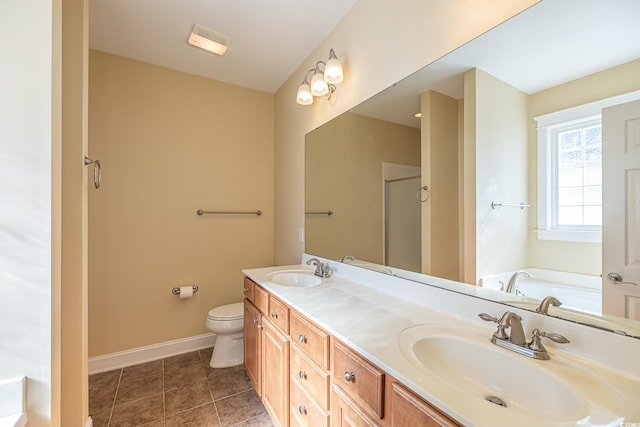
[[260, 327], [302, 410], [302, 339], [349, 376], [245, 289], [302, 375], [255, 321], [274, 314]]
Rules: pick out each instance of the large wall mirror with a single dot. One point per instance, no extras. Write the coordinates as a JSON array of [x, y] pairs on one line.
[[511, 183]]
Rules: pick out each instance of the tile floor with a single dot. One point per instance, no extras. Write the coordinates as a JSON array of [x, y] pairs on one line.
[[177, 391]]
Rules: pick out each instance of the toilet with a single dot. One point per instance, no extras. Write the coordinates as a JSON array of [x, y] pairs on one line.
[[227, 323]]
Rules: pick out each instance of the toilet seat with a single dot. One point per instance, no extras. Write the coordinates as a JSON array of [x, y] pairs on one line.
[[233, 311]]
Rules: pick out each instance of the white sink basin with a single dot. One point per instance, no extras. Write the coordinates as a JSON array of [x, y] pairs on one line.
[[512, 384], [295, 278]]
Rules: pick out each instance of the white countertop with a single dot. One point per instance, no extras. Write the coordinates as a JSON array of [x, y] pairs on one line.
[[369, 318]]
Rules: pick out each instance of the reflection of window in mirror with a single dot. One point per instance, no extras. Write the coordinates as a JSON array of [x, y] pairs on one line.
[[570, 172]]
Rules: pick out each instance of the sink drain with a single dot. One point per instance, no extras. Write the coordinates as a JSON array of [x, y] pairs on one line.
[[496, 401]]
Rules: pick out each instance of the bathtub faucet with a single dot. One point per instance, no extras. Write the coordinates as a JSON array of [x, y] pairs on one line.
[[544, 305], [512, 282]]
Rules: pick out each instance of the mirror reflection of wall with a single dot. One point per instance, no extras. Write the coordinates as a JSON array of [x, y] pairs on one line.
[[343, 174], [488, 153]]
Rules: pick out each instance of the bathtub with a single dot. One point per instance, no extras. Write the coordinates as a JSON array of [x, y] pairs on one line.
[[576, 291]]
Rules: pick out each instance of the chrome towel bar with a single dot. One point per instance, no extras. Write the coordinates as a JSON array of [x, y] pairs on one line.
[[509, 205], [328, 213], [201, 212]]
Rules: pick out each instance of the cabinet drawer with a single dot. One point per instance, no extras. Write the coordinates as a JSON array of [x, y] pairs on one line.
[[248, 289], [409, 410], [313, 341], [362, 381], [311, 378], [261, 299], [279, 314], [305, 409]]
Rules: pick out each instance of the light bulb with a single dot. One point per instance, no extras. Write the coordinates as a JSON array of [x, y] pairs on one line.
[[318, 86], [304, 96], [333, 71]]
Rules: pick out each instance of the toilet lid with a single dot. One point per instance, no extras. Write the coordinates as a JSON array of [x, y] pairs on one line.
[[227, 312]]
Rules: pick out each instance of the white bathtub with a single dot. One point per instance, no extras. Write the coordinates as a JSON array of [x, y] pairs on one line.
[[575, 291]]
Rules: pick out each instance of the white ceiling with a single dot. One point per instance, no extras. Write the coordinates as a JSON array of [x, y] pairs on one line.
[[552, 42], [269, 39]]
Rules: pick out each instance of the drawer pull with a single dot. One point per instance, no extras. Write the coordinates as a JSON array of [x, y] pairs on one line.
[[255, 321], [274, 314], [302, 375], [349, 376], [302, 410], [302, 339], [260, 326], [245, 289]]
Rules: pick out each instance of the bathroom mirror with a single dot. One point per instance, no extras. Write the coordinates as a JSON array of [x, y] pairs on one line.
[[365, 163]]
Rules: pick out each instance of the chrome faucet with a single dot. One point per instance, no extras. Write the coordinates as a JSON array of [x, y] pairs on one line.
[[515, 340], [544, 305], [322, 270], [512, 282], [348, 258]]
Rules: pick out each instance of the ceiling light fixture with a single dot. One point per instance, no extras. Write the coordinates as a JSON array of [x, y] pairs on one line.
[[324, 80], [208, 40]]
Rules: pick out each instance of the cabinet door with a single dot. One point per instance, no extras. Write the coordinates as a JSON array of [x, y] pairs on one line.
[[252, 345], [409, 410], [347, 413], [275, 369]]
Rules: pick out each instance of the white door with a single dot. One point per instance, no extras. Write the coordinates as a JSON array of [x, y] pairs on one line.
[[621, 210]]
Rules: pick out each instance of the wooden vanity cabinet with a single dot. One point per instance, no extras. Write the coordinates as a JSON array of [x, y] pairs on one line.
[[266, 350], [306, 377]]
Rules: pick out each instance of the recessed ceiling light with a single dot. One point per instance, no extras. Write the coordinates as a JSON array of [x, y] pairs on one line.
[[208, 40], [417, 115]]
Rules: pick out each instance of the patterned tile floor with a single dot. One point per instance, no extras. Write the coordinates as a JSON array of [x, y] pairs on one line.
[[180, 391]]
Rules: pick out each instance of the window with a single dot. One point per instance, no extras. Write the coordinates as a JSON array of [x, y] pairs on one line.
[[570, 178]]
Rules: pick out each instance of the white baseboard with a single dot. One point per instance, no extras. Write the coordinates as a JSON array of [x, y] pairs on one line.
[[148, 353]]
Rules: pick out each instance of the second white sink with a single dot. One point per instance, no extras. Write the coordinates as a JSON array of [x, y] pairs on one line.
[[545, 390], [295, 278]]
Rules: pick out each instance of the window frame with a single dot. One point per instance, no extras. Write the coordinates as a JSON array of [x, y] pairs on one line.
[[546, 124]]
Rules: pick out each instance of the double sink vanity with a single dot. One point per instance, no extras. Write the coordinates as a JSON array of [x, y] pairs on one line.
[[356, 347]]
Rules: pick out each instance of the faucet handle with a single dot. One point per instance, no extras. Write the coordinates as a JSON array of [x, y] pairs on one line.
[[536, 339], [500, 333]]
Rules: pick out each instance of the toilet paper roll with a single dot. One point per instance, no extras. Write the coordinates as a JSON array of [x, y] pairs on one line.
[[186, 292]]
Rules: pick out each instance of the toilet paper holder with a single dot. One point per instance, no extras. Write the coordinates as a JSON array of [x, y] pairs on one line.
[[176, 290]]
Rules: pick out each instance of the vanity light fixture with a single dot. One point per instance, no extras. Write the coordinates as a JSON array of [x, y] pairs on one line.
[[324, 80], [208, 40]]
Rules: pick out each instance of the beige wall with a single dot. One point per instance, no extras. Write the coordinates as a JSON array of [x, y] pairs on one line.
[[344, 174], [172, 143], [440, 173], [572, 256], [501, 175], [379, 43]]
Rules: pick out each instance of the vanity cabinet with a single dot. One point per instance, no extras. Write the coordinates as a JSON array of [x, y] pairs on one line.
[[306, 377], [266, 349]]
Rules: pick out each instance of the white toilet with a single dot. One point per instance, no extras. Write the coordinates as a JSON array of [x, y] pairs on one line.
[[227, 323]]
